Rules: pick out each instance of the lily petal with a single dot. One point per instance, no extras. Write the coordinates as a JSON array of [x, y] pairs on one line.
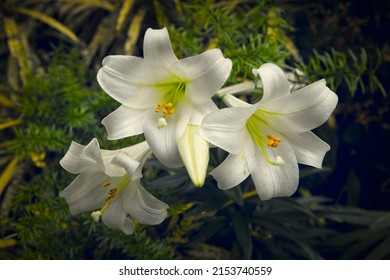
[[130, 80], [72, 162], [164, 141], [226, 128], [231, 172], [275, 83], [124, 122], [86, 192], [157, 47], [207, 73], [304, 109], [90, 159], [143, 206], [308, 148], [199, 111], [138, 151], [131, 165], [273, 180], [116, 217]]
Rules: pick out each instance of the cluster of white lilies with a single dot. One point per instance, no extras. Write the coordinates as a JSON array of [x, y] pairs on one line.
[[169, 101]]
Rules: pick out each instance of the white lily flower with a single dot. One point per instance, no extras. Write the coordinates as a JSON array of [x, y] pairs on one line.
[[267, 140], [109, 185], [160, 94]]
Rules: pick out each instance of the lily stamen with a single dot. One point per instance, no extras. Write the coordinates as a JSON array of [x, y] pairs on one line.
[[167, 109], [259, 138], [112, 193], [273, 141]]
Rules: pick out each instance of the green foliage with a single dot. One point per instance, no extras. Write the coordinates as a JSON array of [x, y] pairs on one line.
[[55, 107], [345, 70], [43, 213], [59, 106], [241, 31]]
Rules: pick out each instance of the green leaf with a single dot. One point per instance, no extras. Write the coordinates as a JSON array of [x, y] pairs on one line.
[[357, 236], [280, 232], [309, 171], [287, 203], [52, 22], [362, 246], [173, 183], [123, 13], [7, 174], [381, 251], [305, 201], [242, 231], [351, 215], [206, 232], [235, 194], [381, 222]]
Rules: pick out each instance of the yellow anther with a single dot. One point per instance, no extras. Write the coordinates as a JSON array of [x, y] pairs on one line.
[[111, 195], [112, 192], [158, 107], [273, 141], [166, 109]]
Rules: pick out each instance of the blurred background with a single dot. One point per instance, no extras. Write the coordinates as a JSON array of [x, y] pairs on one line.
[[50, 52]]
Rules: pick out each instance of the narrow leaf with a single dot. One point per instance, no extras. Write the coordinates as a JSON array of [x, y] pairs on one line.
[[5, 243], [18, 47], [94, 3], [178, 7], [241, 228], [5, 101], [381, 251], [161, 18], [126, 7], [235, 194], [133, 31], [206, 232], [7, 173], [99, 37], [51, 22], [10, 123]]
